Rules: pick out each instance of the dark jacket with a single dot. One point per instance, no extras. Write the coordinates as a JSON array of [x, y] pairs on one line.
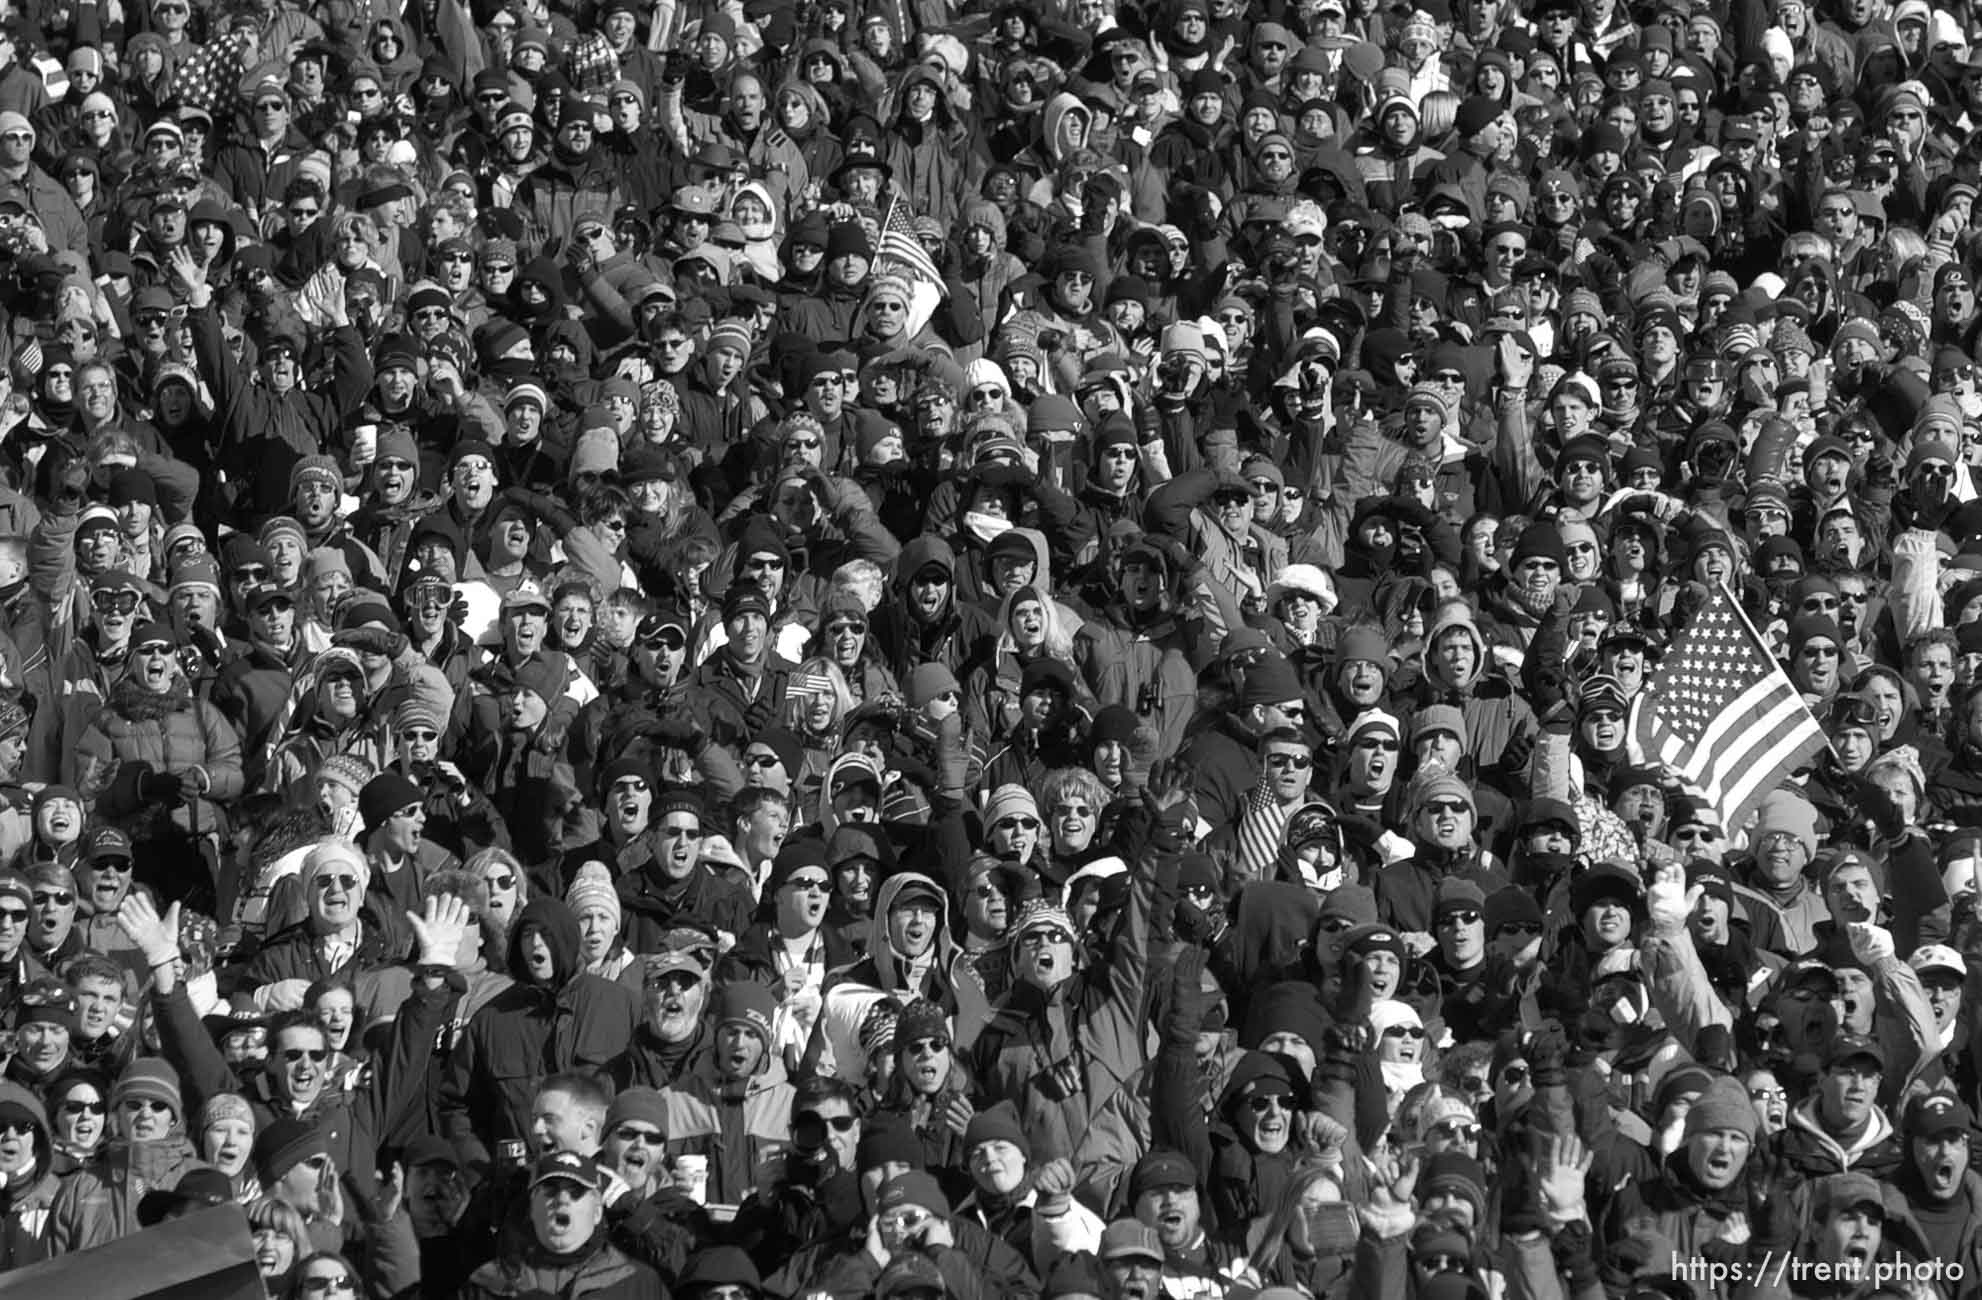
[[528, 1031]]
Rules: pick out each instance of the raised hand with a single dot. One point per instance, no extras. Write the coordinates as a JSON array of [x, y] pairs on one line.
[[157, 937], [440, 929], [1562, 1180]]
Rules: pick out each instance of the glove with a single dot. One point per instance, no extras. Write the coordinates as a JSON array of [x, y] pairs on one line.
[[914, 771], [678, 729], [1669, 902], [372, 640], [1548, 1049], [71, 482], [1197, 925], [192, 784], [1880, 472], [1870, 943], [158, 787], [1877, 804]]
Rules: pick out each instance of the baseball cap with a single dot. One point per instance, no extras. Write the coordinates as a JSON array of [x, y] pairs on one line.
[[1936, 1113], [1130, 1239], [568, 1166]]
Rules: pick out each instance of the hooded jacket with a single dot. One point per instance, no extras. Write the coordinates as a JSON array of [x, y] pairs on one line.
[[574, 1021], [955, 640], [25, 1208], [1495, 711], [950, 982], [1097, 1018]]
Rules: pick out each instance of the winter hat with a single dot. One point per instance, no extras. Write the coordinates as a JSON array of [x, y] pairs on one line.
[[225, 1106], [641, 1105], [1184, 339], [352, 771], [1539, 541], [1724, 1105], [749, 1004], [1010, 801], [921, 1019], [1457, 1173], [998, 1124], [593, 887], [330, 853], [597, 452], [285, 1144], [1269, 682], [929, 681], [384, 795], [149, 1078]]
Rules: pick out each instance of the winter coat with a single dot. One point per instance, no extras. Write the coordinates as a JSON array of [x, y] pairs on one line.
[[530, 1031], [26, 1211], [597, 1271], [1098, 1017], [140, 731], [99, 1202], [735, 1125]]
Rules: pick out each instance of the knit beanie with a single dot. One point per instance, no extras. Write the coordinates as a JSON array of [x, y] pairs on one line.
[[1724, 1105], [1010, 801], [333, 853], [593, 887], [149, 1078], [283, 1145], [641, 1105], [998, 1124], [352, 771], [384, 795], [1426, 393], [225, 1106], [597, 452]]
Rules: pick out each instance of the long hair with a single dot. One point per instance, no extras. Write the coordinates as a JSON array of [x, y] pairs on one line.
[[1310, 1173]]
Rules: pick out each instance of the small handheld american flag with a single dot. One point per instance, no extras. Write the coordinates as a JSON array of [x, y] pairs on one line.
[[901, 252], [1720, 711]]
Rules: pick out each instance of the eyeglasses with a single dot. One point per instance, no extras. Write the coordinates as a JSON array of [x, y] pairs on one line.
[[1767, 1094], [1454, 1130], [317, 1055], [649, 1137]]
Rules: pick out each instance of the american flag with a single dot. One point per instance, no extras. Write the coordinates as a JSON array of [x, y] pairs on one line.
[[1720, 711], [902, 252], [899, 245]]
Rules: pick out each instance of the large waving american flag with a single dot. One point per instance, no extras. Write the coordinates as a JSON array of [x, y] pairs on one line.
[[1720, 711], [900, 251]]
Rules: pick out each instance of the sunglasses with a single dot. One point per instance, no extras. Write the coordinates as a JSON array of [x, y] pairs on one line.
[[1274, 1103], [1521, 929], [324, 1285], [1052, 934], [766, 761], [809, 884], [13, 916], [1514, 1076], [74, 1108], [1299, 762], [838, 1123], [1449, 807], [1466, 917], [926, 1046], [54, 899], [338, 882], [1017, 824], [1405, 1031], [145, 1105], [114, 602], [317, 1055], [649, 1137]]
